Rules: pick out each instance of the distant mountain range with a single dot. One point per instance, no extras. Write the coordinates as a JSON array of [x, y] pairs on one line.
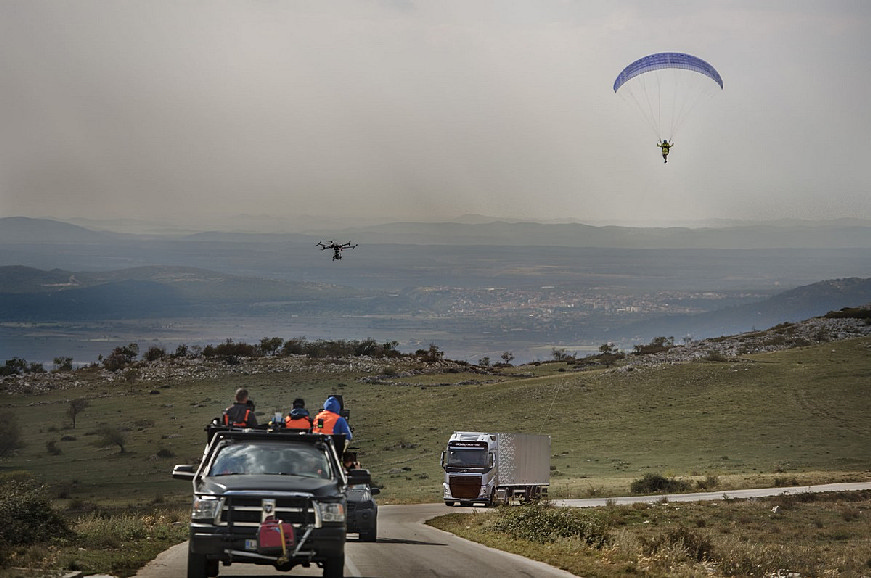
[[478, 231], [809, 235], [422, 280], [472, 254]]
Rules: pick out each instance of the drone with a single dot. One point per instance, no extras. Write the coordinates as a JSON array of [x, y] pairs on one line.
[[337, 248]]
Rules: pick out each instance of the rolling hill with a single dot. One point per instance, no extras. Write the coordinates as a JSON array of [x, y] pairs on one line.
[[789, 306]]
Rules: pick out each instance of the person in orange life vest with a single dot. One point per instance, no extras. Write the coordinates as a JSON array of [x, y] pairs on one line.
[[298, 418], [241, 413], [329, 421]]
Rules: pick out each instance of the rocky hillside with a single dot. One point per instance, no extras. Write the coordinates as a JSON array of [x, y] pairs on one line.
[[834, 326]]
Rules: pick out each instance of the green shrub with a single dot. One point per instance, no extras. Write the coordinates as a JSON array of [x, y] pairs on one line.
[[848, 312], [27, 513], [11, 437], [656, 484], [542, 523], [709, 483], [696, 545], [716, 356]]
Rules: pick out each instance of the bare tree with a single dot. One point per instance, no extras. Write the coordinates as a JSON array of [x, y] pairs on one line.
[[76, 407], [110, 436]]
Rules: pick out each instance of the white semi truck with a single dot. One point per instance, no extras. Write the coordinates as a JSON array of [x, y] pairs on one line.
[[495, 468]]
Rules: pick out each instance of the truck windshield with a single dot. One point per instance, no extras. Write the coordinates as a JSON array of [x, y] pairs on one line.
[[467, 458], [265, 458]]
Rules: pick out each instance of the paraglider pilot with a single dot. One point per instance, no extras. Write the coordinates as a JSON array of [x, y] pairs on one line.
[[665, 146]]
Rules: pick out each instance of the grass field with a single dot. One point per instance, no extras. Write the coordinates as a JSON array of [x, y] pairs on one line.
[[802, 414], [794, 536], [796, 417]]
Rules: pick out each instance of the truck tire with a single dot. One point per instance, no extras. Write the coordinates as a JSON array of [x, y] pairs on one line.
[[491, 501], [450, 503], [334, 567], [198, 565], [371, 535]]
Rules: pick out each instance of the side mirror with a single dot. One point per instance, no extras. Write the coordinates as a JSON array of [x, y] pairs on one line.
[[184, 472], [375, 491], [359, 477]]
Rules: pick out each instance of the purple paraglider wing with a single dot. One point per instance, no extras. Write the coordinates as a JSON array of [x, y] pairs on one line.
[[662, 60]]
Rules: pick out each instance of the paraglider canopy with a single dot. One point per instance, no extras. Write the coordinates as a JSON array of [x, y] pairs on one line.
[[666, 86], [662, 60]]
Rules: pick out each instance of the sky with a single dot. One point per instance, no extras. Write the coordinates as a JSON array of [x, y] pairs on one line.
[[196, 112]]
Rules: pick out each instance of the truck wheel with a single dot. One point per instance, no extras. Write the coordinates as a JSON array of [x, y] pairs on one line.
[[491, 501], [334, 567], [197, 565], [371, 535], [449, 503]]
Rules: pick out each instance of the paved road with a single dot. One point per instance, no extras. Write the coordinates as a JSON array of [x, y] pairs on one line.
[[729, 494], [405, 547], [408, 547]]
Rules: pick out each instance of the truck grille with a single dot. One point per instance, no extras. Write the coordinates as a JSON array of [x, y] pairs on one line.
[[251, 510], [465, 487]]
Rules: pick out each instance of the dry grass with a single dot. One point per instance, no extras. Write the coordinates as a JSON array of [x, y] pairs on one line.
[[796, 417], [807, 535]]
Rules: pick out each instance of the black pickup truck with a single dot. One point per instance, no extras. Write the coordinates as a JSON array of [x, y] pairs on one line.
[[253, 484]]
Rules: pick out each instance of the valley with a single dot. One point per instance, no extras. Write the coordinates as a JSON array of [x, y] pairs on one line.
[[473, 290]]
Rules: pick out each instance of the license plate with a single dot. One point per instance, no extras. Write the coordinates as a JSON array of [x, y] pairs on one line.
[[250, 544]]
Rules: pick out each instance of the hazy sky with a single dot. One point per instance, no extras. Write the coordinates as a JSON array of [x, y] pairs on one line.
[[189, 111]]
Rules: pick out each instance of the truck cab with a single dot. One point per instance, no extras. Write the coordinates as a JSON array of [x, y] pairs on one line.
[[495, 468], [469, 463]]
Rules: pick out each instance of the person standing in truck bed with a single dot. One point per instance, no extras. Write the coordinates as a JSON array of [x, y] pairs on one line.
[[298, 418], [241, 413], [329, 421]]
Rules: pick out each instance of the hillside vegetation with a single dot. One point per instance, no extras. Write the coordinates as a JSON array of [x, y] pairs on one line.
[[787, 406], [745, 419]]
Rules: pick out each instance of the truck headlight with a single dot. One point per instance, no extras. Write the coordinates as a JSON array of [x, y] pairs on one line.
[[330, 512], [206, 508]]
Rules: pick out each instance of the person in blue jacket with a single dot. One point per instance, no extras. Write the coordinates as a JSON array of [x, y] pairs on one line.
[[329, 420]]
